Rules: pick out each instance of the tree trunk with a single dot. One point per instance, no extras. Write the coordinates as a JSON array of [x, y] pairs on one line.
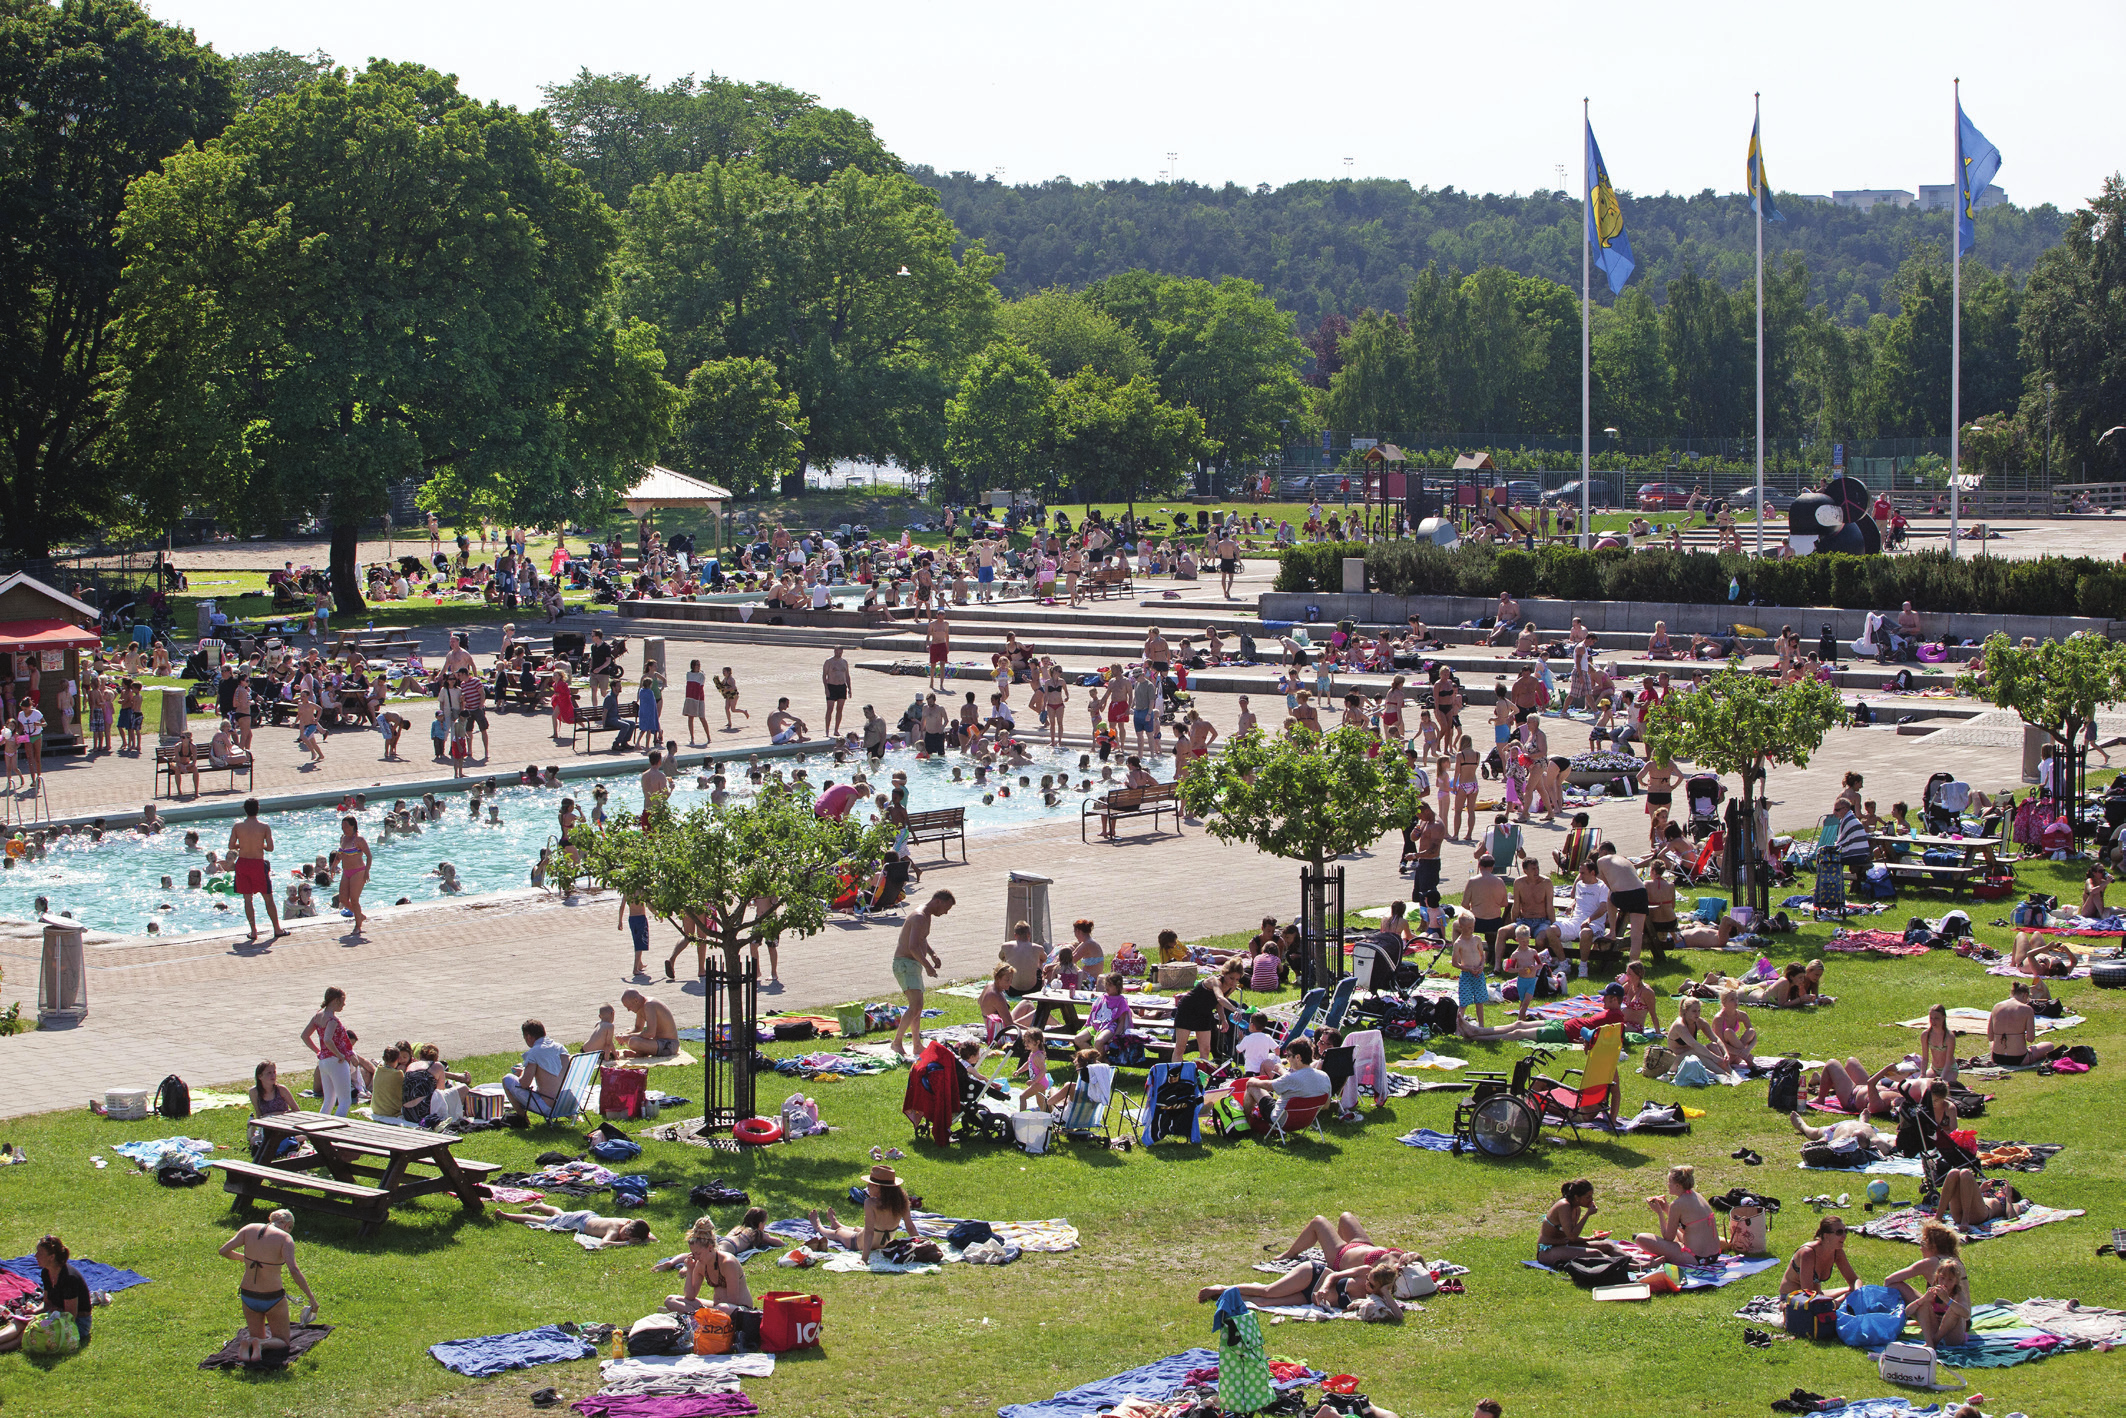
[[346, 569], [793, 482]]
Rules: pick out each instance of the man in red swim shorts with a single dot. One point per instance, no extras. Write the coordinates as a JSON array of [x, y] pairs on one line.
[[250, 840], [940, 638]]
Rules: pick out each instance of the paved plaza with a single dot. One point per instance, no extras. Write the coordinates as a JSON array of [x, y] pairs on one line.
[[464, 974]]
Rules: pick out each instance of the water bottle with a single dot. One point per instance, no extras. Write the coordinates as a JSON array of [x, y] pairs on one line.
[[620, 1341]]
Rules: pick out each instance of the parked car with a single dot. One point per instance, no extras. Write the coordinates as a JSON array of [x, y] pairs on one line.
[[1745, 499], [1524, 492], [1663, 497], [1598, 494]]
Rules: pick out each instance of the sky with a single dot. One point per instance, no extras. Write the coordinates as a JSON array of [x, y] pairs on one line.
[[1481, 97]]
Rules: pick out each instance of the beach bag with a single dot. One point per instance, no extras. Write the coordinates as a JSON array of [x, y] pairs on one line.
[[54, 1333], [1661, 1118], [1710, 909], [1902, 1363], [1811, 1316], [1030, 1131], [2029, 913], [616, 1149], [854, 1024], [789, 1321], [713, 1331], [173, 1099], [655, 1334], [1783, 1095], [1658, 1061], [1229, 1116], [795, 1031], [1870, 1317], [1748, 1229], [620, 1091], [1446, 1014], [1594, 1272]]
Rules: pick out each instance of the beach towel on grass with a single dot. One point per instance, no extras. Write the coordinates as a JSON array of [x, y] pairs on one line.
[[1879, 1167], [1904, 1225], [1695, 1277], [1154, 1381], [492, 1354], [2010, 972], [302, 1338], [1428, 1139], [108, 1278], [668, 1374], [1965, 1020], [691, 1405], [1054, 1235], [165, 1150], [849, 1262], [1993, 1349], [1876, 1407]]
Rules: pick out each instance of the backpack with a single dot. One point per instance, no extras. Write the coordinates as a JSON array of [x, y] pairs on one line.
[[173, 1099], [1446, 1013], [179, 1174], [1784, 1093], [1661, 1117], [1594, 1272], [655, 1334], [1174, 1110]]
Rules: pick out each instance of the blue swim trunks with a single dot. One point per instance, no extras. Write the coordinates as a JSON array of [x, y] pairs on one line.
[[985, 574], [1472, 989]]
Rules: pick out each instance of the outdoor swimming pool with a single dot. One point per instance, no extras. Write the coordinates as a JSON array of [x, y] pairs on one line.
[[116, 884]]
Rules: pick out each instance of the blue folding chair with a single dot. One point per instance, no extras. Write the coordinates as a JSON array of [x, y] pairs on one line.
[[1340, 1003], [1173, 1104], [1309, 1005]]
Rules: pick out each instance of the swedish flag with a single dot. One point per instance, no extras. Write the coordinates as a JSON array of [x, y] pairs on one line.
[[1605, 221], [1760, 189], [1976, 162]]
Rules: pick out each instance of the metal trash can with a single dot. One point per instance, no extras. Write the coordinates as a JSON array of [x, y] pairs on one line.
[[62, 975], [1026, 899]]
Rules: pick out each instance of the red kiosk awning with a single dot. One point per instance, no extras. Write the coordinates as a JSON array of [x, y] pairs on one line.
[[17, 636]]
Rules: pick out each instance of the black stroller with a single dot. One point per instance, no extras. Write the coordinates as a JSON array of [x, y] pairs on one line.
[[1702, 795], [1943, 804]]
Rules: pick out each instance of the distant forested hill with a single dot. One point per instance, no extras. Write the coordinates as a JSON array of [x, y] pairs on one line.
[[1328, 247]]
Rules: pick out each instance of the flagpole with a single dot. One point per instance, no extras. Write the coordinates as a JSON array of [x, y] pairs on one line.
[[1586, 421], [1956, 309], [1757, 132]]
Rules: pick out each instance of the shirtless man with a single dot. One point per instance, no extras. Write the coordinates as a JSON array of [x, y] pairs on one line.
[[1855, 1131], [1487, 897], [834, 675], [1688, 1235], [1627, 894], [655, 784], [308, 731], [1228, 563], [914, 958], [459, 658], [655, 1035], [939, 639], [984, 552], [783, 726], [934, 721], [1426, 841], [601, 1040], [250, 840], [1534, 907], [2011, 1029]]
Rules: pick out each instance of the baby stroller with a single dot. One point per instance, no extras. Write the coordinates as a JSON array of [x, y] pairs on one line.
[[1944, 802], [1702, 795]]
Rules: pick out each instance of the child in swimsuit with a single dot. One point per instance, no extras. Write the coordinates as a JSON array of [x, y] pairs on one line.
[[355, 860]]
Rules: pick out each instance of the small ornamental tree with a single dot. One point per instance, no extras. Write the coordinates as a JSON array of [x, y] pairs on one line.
[[1304, 796], [1743, 724], [2056, 685], [707, 872]]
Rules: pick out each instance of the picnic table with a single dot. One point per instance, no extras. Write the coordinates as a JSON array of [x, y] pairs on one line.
[[1157, 1010], [368, 632], [1964, 872], [367, 1167]]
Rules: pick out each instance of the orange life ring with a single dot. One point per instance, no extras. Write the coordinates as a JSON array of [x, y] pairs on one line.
[[757, 1132], [16, 846]]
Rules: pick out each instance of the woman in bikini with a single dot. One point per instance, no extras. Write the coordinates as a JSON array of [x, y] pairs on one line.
[[264, 1247], [1937, 1243], [1345, 1245], [1560, 1239], [1937, 1046], [355, 862], [886, 1209], [1944, 1308], [1737, 1035], [707, 1266], [1313, 1283], [1814, 1261], [750, 1234], [1462, 787], [1970, 1202]]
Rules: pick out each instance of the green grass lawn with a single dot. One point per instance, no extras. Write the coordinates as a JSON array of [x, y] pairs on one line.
[[1155, 1226]]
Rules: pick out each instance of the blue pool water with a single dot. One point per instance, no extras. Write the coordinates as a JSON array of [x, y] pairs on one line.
[[115, 885]]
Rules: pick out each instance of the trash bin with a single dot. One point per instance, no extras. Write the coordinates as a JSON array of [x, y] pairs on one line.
[[62, 976], [174, 715], [1026, 899]]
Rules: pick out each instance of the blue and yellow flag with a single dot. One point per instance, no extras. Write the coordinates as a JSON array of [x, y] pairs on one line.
[[1605, 221], [1759, 188], [1976, 162]]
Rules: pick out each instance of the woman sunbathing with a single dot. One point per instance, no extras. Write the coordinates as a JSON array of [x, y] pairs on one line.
[[1856, 1088], [1560, 1239], [607, 1230], [1971, 1202], [1313, 1283], [1345, 1244], [750, 1234], [886, 1209], [709, 1267]]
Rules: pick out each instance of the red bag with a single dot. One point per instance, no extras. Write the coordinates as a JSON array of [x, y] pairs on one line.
[[788, 1321], [620, 1091]]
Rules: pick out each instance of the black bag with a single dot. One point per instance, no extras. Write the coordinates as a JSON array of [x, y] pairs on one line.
[[1175, 1108], [969, 1233], [1593, 1272], [1446, 1014], [748, 1322], [173, 1099], [179, 1174], [796, 1030], [1784, 1093], [2054, 1008], [2082, 1054], [1823, 1154], [657, 1334], [1661, 1118]]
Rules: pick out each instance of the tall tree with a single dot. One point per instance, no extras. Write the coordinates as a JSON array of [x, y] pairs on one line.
[[736, 426], [848, 287], [1000, 426], [1709, 358], [2074, 333], [1632, 390], [1071, 333], [623, 132], [373, 279], [1120, 442], [93, 93], [269, 73], [1375, 388]]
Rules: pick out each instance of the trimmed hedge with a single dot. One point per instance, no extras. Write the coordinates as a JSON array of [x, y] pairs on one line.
[[1931, 580]]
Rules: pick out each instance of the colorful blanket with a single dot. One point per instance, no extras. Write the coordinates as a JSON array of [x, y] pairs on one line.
[[1904, 1225], [2010, 972], [1880, 942], [691, 1405], [1428, 1139], [1879, 1167], [166, 1149], [1695, 1277], [1966, 1020], [107, 1278]]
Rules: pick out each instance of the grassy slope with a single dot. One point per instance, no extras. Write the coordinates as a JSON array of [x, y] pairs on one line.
[[1155, 1226]]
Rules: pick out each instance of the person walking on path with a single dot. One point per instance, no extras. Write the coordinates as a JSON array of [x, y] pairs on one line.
[[250, 840], [913, 958], [727, 686]]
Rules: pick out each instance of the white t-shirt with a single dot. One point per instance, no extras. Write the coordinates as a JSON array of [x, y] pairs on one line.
[[548, 1057], [1587, 900], [1255, 1050]]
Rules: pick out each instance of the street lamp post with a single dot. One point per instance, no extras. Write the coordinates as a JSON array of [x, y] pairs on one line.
[[2050, 390]]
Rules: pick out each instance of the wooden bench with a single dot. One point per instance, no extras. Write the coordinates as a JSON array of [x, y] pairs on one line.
[[589, 724], [167, 769], [1953, 878], [249, 1182], [1151, 801], [941, 825]]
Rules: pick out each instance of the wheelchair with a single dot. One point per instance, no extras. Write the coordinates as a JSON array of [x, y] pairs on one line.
[[1498, 1119]]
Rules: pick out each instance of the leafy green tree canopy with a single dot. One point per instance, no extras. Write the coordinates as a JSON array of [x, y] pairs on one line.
[[371, 279], [737, 427], [93, 93], [2074, 336], [270, 73], [1743, 724], [1000, 426], [1123, 441], [2058, 685], [1073, 334]]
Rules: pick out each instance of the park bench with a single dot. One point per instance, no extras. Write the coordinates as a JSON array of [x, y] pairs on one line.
[[167, 770], [1153, 801], [941, 825], [589, 724], [1950, 878]]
